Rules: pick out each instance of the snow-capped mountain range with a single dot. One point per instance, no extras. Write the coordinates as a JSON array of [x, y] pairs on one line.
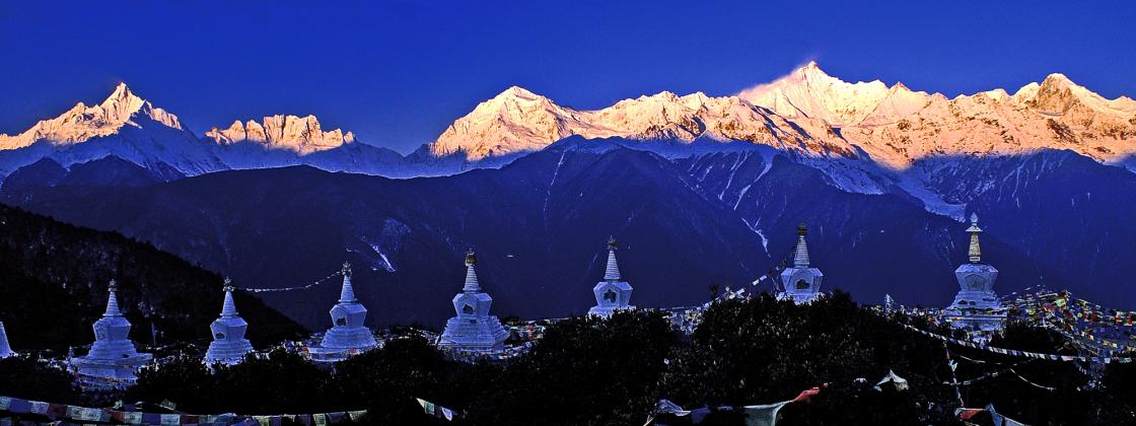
[[867, 137], [518, 120], [881, 173], [133, 129], [812, 112]]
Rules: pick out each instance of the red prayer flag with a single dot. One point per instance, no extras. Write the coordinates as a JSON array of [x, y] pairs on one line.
[[807, 393], [967, 413]]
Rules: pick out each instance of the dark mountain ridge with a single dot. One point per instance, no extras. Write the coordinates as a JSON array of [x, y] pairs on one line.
[[539, 225], [54, 278]]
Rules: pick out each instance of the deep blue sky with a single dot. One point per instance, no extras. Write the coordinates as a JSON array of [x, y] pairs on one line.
[[397, 73]]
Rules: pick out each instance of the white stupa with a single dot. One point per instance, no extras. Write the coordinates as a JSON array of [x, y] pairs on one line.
[[473, 329], [613, 293], [112, 361], [976, 306], [801, 282], [347, 335], [229, 344]]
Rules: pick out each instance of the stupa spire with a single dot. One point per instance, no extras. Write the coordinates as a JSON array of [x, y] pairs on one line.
[[976, 306], [471, 284], [612, 294], [229, 308], [800, 282], [975, 250], [347, 293], [347, 335], [612, 271], [112, 309], [112, 360], [801, 257], [472, 328], [229, 344]]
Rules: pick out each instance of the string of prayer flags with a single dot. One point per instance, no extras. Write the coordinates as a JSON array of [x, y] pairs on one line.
[[435, 410], [1017, 353], [755, 415], [301, 287], [70, 413], [999, 419]]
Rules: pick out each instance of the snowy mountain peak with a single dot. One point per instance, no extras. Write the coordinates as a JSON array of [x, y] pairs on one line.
[[302, 135], [518, 92], [1058, 79], [82, 122], [515, 97], [516, 120], [998, 94], [810, 92], [1026, 92], [122, 97], [1057, 94], [809, 71]]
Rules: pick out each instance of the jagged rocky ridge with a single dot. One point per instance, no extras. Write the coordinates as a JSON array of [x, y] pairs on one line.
[[301, 135]]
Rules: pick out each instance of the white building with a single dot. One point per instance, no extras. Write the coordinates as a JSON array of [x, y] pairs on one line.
[[801, 282], [976, 306], [112, 361], [347, 335], [229, 344], [612, 294], [473, 329]]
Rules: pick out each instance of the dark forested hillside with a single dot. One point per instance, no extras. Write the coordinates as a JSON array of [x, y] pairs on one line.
[[540, 224], [53, 279]]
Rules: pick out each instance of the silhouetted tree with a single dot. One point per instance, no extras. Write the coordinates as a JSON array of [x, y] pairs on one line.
[[585, 371], [23, 377], [763, 351], [386, 381], [184, 380]]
